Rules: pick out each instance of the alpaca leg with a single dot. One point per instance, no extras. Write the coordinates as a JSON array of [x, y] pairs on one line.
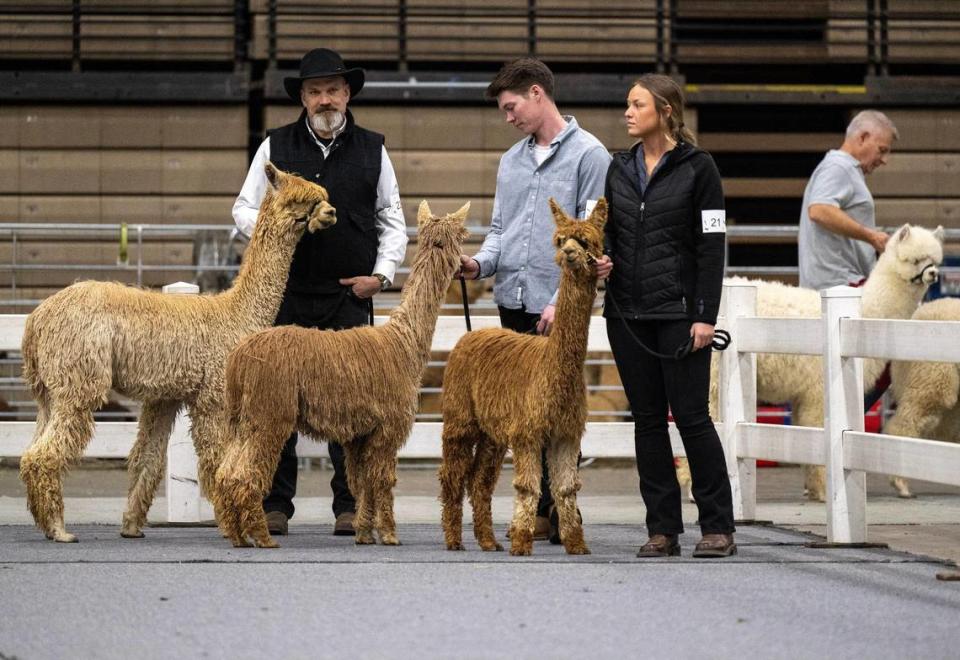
[[526, 482], [483, 479], [358, 480], [564, 484], [207, 421], [245, 477], [458, 442], [145, 463], [684, 478], [381, 463], [226, 501], [809, 412], [915, 418], [43, 465]]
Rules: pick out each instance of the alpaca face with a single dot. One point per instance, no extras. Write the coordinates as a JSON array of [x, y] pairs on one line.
[[579, 242], [442, 233], [305, 204], [918, 254]]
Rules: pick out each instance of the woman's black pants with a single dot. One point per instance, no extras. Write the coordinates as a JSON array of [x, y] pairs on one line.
[[652, 386]]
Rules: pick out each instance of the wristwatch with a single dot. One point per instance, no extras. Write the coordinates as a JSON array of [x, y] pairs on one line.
[[384, 282]]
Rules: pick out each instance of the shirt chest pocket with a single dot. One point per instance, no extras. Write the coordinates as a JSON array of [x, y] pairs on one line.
[[564, 190]]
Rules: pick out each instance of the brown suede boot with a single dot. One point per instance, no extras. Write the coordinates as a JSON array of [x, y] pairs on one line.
[[715, 545], [660, 545]]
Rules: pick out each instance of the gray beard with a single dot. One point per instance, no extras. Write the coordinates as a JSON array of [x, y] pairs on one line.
[[328, 121]]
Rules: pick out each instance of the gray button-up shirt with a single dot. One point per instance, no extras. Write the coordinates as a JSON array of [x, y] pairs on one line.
[[519, 247]]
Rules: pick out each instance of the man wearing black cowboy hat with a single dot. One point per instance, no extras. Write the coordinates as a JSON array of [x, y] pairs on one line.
[[334, 273]]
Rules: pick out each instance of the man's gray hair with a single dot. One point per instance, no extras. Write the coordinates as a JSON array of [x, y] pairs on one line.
[[867, 119]]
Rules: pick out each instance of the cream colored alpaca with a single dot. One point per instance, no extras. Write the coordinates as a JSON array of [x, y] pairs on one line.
[[926, 392], [895, 287], [164, 350], [502, 389], [357, 387]]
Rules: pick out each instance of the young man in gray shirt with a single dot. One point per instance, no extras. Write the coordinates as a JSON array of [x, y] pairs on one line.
[[558, 159], [838, 239]]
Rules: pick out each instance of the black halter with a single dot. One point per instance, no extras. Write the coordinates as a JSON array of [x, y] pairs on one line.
[[918, 278]]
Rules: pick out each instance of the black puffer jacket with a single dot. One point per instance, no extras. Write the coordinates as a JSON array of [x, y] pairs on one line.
[[667, 250]]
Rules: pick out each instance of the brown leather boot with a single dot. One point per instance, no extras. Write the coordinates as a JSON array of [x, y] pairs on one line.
[[277, 523], [344, 524], [715, 545], [660, 545]]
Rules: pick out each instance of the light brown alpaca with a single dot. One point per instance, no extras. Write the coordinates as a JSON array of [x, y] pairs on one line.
[[335, 385], [506, 390], [164, 350]]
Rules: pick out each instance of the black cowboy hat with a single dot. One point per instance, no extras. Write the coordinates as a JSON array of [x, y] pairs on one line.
[[321, 63]]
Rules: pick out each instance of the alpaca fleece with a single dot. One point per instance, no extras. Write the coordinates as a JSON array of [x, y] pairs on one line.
[[506, 390], [926, 392], [164, 350], [357, 387]]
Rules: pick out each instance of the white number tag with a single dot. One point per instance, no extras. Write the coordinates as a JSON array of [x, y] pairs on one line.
[[714, 222], [589, 209]]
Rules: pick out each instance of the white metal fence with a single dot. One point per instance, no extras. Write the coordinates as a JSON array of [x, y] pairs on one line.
[[842, 446]]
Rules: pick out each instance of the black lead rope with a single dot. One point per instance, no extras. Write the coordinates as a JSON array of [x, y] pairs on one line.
[[466, 303], [721, 338]]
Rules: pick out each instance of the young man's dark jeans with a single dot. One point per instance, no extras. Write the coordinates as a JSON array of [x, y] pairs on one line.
[[325, 312]]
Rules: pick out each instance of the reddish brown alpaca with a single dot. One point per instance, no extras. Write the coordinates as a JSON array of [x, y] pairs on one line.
[[506, 390], [337, 385]]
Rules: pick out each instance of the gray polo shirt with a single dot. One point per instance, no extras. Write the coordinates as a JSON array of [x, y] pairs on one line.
[[827, 259], [519, 248]]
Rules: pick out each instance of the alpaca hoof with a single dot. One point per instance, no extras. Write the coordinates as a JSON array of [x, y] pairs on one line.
[[907, 496], [491, 547], [521, 551], [241, 543], [578, 550], [455, 546], [269, 542], [364, 538], [390, 539], [64, 537], [131, 533]]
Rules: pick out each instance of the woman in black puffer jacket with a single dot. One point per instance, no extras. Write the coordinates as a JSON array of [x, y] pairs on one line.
[[665, 241]]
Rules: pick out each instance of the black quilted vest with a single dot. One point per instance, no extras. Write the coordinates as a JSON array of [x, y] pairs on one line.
[[350, 175]]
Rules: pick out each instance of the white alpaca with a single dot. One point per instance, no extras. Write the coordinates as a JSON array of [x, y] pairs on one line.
[[894, 289], [926, 392]]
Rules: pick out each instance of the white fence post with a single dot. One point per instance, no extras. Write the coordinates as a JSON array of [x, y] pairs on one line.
[[183, 486], [843, 411], [737, 399]]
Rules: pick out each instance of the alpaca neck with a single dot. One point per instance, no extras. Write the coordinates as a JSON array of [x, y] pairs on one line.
[[567, 341], [258, 289], [416, 317], [887, 296]]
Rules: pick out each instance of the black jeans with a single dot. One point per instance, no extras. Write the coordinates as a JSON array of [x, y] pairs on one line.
[[520, 320], [325, 312], [651, 385]]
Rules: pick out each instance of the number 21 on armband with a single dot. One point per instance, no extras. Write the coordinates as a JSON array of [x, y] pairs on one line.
[[714, 221]]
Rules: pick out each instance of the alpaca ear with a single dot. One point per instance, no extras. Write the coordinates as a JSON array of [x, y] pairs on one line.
[[598, 216], [423, 213], [558, 214], [903, 233], [274, 176], [461, 213], [939, 234]]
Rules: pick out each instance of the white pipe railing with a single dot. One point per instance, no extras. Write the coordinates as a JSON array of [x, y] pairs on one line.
[[842, 446]]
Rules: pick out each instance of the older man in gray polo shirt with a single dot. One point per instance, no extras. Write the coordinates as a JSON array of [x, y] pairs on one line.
[[556, 159], [838, 240]]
